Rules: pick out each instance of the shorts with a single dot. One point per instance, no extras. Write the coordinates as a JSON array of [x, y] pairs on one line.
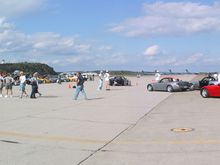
[[22, 87], [1, 85], [8, 86]]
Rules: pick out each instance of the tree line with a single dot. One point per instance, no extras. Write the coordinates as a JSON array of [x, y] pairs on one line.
[[26, 67]]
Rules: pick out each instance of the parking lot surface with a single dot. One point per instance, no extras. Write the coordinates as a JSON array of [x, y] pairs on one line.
[[126, 125]]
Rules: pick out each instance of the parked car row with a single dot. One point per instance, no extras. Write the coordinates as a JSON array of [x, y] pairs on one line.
[[208, 86]]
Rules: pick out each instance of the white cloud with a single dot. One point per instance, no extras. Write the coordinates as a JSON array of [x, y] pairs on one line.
[[54, 49], [168, 61], [38, 44], [198, 57], [4, 25], [74, 60], [152, 50], [212, 61], [105, 48], [19, 7], [172, 18], [174, 61]]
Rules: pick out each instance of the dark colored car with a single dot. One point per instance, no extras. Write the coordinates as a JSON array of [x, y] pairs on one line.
[[169, 84], [119, 81], [210, 91], [204, 82]]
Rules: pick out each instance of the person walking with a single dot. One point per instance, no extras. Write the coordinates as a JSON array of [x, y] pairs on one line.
[[1, 84], [101, 78], [107, 80], [8, 81], [34, 86], [79, 86], [36, 75], [22, 80]]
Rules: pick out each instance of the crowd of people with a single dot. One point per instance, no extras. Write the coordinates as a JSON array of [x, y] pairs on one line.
[[7, 82]]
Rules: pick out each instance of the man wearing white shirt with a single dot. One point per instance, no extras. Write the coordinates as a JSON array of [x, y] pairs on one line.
[[22, 79]]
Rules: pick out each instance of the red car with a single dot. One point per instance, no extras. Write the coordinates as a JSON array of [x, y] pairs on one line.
[[210, 91]]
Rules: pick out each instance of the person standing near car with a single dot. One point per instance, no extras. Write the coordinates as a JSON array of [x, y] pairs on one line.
[[79, 86], [157, 76], [107, 80]]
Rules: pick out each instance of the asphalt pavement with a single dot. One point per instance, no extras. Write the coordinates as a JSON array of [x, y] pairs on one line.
[[123, 126]]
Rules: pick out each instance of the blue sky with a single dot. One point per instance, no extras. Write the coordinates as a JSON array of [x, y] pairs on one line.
[[115, 35]]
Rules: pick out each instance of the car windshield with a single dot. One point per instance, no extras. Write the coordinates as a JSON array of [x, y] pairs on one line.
[[166, 80]]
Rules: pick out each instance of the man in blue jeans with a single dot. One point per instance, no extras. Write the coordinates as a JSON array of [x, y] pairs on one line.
[[79, 86]]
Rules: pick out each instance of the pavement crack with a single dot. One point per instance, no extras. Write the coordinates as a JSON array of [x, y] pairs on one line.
[[129, 127], [96, 151]]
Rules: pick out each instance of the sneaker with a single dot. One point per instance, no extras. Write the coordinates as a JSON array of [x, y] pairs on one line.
[[1, 96], [6, 96]]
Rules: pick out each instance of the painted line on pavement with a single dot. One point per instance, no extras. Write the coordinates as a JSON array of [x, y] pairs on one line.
[[98, 141]]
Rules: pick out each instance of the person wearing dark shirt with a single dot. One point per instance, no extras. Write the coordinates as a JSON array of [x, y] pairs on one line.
[[79, 86], [34, 86]]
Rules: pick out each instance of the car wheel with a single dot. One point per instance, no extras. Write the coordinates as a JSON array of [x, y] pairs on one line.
[[169, 88], [204, 93], [150, 88]]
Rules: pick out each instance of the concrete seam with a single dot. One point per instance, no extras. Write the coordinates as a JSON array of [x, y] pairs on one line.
[[104, 145], [130, 126]]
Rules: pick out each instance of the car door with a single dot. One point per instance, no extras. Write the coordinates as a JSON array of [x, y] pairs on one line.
[[215, 90], [162, 84]]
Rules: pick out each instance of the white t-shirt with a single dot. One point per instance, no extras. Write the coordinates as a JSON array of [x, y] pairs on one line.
[[101, 76], [22, 79], [107, 76], [157, 76]]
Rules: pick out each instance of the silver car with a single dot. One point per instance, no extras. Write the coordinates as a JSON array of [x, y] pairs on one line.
[[169, 84]]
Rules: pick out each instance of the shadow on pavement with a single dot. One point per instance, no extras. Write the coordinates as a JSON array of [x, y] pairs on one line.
[[97, 98], [49, 96]]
